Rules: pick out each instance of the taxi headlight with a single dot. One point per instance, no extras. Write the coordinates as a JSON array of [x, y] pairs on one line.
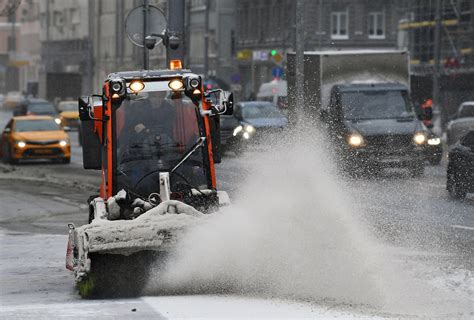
[[21, 144], [419, 138], [237, 130], [434, 141], [63, 143], [355, 140], [57, 120]]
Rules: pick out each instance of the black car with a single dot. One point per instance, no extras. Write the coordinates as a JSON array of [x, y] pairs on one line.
[[229, 141], [433, 148], [38, 107], [252, 122], [460, 175]]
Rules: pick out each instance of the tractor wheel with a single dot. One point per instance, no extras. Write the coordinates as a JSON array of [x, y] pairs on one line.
[[114, 275]]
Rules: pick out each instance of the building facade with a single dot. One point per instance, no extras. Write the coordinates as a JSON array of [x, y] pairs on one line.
[[220, 34], [19, 45], [455, 50], [66, 49], [266, 32]]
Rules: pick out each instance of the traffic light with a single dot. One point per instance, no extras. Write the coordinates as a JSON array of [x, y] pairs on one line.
[[276, 56]]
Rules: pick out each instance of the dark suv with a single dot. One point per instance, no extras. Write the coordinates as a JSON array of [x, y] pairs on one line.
[[373, 126]]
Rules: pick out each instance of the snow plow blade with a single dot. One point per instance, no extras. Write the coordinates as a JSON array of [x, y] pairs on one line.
[[155, 229], [104, 253]]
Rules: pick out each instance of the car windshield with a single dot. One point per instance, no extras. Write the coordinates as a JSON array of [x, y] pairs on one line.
[[41, 108], [68, 106], [36, 125], [380, 104], [154, 131], [467, 111], [263, 110]]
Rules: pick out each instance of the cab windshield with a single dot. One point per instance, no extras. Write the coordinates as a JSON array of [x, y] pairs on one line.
[[36, 125], [154, 131], [67, 106], [379, 104]]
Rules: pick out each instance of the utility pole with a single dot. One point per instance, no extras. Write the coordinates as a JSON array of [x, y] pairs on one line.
[[299, 59], [206, 39], [176, 28], [436, 72], [146, 13]]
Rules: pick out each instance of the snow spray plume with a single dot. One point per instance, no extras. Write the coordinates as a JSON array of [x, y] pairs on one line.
[[289, 233]]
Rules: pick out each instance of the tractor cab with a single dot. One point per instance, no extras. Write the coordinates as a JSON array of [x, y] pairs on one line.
[[155, 135]]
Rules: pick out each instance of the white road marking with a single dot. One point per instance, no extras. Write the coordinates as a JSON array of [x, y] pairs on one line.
[[455, 226]]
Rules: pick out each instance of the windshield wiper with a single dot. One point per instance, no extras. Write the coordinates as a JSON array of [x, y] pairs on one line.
[[185, 157]]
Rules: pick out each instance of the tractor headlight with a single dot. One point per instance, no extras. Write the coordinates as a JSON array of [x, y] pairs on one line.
[[434, 141], [194, 83], [136, 86], [63, 143], [176, 85], [57, 120], [355, 140], [21, 144], [117, 88], [237, 130], [419, 138]]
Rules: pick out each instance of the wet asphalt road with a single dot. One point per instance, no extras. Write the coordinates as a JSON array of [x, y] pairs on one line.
[[40, 199]]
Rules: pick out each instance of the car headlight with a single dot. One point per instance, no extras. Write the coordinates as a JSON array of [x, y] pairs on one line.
[[63, 143], [237, 130], [21, 144], [246, 135], [355, 140], [419, 138], [57, 120], [249, 129], [434, 141]]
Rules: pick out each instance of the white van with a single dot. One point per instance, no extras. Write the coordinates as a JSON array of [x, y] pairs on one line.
[[274, 91]]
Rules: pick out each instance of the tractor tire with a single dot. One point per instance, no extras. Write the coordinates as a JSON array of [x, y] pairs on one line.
[[116, 276]]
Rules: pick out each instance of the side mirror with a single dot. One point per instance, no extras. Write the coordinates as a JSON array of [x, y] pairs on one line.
[[225, 103], [66, 128], [222, 101], [86, 106], [7, 130], [85, 109]]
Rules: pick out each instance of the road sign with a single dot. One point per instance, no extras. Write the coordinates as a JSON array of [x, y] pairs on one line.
[[277, 72]]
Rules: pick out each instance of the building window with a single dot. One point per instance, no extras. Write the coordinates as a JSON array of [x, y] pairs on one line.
[[376, 25], [340, 25]]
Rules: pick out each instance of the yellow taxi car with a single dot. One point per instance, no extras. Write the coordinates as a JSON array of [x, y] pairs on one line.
[[34, 137], [69, 114]]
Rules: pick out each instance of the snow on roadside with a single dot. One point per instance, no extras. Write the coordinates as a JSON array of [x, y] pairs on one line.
[[234, 307]]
